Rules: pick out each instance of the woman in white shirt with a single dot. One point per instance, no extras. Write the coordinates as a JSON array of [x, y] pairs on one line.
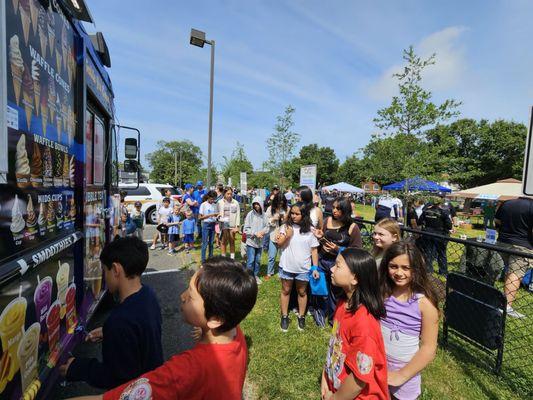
[[229, 214]]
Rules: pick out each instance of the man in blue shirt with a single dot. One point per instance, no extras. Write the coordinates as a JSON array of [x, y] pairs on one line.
[[198, 196]]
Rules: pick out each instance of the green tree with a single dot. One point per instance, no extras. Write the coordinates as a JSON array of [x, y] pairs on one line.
[[413, 110], [352, 171], [162, 162], [325, 159], [478, 152], [261, 179], [238, 162], [283, 142]]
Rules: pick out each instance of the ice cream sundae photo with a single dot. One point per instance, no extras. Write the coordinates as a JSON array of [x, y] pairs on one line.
[[72, 165], [48, 173], [59, 214], [58, 168], [51, 216], [36, 167]]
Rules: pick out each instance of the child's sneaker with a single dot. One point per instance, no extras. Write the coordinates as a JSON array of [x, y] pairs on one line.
[[284, 323], [152, 247], [258, 280], [170, 251], [514, 314], [301, 323]]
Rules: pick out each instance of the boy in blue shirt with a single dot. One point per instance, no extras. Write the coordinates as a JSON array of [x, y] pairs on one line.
[[131, 335], [188, 231], [198, 196], [173, 224]]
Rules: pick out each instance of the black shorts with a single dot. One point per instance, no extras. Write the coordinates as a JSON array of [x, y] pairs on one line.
[[174, 237]]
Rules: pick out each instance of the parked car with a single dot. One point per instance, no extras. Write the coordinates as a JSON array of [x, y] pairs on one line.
[[150, 195]]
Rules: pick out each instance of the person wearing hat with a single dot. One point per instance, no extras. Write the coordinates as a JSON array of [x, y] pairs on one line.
[[138, 218], [198, 196]]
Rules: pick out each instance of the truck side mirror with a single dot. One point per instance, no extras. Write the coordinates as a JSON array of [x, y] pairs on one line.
[[131, 166], [131, 149]]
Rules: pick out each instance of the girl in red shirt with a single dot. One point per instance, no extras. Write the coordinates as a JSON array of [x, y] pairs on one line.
[[356, 365]]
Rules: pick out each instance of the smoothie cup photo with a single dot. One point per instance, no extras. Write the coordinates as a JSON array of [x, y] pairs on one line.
[[11, 329], [28, 355], [52, 324], [62, 285], [42, 299], [71, 309]]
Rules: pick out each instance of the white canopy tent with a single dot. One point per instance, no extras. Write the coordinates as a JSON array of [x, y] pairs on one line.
[[504, 189], [343, 187]]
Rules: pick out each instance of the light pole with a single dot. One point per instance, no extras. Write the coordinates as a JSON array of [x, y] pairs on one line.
[[176, 167], [198, 39]]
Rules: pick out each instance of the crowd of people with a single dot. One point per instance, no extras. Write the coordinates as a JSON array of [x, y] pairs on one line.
[[381, 305]]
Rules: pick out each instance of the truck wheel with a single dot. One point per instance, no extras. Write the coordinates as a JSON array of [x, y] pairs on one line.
[[151, 216]]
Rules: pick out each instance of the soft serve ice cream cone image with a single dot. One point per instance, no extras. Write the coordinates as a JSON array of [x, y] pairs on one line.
[[28, 355], [11, 329], [59, 118], [44, 108], [22, 164], [51, 216], [43, 30], [62, 286], [34, 14], [17, 218], [31, 219], [28, 95], [15, 6], [25, 18], [41, 220], [64, 46], [36, 167], [52, 99], [35, 76], [51, 30], [17, 66], [42, 298]]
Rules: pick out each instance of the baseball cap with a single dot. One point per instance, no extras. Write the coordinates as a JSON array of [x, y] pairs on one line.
[[188, 186], [199, 183], [138, 204]]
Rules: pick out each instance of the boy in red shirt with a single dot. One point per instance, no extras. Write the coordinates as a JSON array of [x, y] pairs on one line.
[[220, 295]]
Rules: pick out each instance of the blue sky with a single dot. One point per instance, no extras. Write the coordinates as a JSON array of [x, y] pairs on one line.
[[331, 60]]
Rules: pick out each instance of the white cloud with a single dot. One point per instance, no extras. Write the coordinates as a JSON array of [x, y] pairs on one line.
[[445, 74]]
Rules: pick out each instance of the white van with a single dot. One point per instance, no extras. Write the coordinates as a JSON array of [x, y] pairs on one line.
[[150, 195]]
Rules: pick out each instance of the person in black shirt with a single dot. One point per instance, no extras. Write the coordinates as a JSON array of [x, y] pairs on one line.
[[435, 219], [514, 219], [131, 336]]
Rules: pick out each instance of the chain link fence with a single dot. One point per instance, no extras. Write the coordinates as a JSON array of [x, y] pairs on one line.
[[476, 283]]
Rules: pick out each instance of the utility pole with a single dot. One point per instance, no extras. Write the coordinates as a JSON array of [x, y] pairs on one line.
[[175, 168], [180, 167]]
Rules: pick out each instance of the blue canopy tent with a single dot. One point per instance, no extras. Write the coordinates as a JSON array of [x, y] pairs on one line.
[[417, 183]]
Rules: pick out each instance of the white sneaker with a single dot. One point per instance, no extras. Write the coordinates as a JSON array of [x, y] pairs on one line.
[[152, 247], [514, 314], [259, 281]]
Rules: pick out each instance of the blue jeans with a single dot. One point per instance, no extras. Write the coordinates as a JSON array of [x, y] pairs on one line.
[[253, 259], [272, 252], [436, 249], [208, 235]]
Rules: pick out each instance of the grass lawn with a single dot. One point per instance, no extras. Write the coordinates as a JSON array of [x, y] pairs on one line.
[[288, 365]]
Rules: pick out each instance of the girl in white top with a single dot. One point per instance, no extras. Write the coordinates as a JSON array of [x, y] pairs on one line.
[[230, 217], [299, 251]]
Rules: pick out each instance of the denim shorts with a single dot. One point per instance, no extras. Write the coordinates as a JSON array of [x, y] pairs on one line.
[[290, 276]]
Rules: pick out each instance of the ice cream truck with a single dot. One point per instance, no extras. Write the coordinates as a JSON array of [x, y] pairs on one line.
[[59, 201]]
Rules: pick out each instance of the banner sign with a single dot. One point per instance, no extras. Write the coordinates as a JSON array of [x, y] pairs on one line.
[[308, 176], [37, 202], [244, 183]]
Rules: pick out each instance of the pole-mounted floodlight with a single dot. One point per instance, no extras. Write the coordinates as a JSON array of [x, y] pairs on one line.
[[198, 39]]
